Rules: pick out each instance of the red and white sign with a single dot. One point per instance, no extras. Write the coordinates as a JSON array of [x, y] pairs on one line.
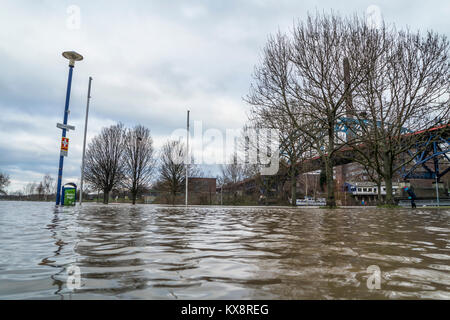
[[65, 144]]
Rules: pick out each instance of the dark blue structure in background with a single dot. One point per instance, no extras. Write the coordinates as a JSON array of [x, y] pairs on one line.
[[435, 148]]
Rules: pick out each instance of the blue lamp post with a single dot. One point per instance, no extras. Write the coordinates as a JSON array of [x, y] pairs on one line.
[[72, 56]]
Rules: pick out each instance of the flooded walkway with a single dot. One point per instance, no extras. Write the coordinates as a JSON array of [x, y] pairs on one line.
[[152, 252]]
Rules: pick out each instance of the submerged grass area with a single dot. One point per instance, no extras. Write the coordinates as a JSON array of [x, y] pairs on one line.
[[389, 206], [434, 207]]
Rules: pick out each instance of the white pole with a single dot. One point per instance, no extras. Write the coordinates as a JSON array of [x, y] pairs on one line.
[[187, 160], [306, 179], [84, 142], [437, 190]]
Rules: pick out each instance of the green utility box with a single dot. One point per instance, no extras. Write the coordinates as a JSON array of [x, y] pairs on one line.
[[69, 194]]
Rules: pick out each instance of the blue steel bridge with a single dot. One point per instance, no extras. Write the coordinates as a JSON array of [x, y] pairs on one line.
[[430, 152], [431, 155]]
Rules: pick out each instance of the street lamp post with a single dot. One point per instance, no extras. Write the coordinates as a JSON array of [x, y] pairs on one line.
[[72, 56]]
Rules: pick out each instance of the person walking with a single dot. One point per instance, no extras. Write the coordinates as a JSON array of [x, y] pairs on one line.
[[411, 196]]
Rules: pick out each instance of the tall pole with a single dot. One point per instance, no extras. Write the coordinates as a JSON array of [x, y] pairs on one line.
[[437, 190], [84, 141], [306, 180], [187, 160], [436, 170], [66, 115]]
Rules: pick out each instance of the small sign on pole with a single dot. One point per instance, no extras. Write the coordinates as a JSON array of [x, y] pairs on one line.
[[65, 126], [64, 146]]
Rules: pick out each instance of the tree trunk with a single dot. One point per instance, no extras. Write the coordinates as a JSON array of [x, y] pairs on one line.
[[379, 196], [105, 196], [133, 196], [388, 179], [331, 201], [293, 187], [389, 195]]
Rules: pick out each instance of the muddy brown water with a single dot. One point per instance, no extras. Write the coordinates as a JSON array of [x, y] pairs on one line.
[[157, 252]]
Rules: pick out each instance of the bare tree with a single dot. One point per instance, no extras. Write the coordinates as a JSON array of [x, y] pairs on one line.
[[4, 182], [138, 160], [195, 170], [30, 189], [301, 84], [285, 97], [406, 91], [233, 172], [320, 47], [40, 190], [172, 167], [104, 160], [49, 185], [274, 106]]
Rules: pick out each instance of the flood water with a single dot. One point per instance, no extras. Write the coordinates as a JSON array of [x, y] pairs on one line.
[[156, 252]]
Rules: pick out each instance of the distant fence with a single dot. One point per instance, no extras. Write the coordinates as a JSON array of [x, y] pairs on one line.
[[194, 198], [425, 203]]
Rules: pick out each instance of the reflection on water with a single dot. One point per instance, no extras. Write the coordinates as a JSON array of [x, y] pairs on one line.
[[153, 252]]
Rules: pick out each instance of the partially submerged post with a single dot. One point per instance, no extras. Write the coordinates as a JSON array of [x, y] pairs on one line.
[[72, 56]]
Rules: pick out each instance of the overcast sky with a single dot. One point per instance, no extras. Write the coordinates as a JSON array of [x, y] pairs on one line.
[[150, 60]]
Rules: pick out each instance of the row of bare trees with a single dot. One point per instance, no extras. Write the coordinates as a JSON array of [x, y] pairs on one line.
[[42, 191], [120, 158], [330, 71]]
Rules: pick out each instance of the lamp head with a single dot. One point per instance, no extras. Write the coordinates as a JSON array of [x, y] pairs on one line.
[[72, 56]]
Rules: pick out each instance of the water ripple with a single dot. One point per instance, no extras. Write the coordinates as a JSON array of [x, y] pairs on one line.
[[160, 252]]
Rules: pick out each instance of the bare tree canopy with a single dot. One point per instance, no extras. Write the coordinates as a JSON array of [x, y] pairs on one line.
[[300, 82], [233, 172], [49, 185], [138, 160], [274, 106], [104, 168], [407, 90], [4, 182], [40, 190], [172, 167], [320, 47]]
